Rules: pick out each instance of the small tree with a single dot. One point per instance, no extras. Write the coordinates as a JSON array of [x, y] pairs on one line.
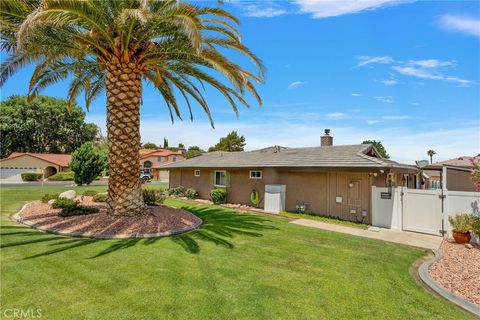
[[431, 153], [232, 142], [87, 164], [165, 143], [379, 146], [193, 151], [149, 145]]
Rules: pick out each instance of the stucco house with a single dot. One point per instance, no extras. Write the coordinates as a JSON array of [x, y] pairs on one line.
[[329, 180], [17, 163], [154, 161]]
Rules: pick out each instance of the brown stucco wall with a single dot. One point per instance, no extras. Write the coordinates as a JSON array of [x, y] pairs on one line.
[[318, 189], [459, 180]]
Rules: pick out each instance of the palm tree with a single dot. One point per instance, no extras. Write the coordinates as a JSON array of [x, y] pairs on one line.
[[114, 45], [431, 153]]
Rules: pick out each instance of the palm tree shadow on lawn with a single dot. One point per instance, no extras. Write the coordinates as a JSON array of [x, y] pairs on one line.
[[220, 227]]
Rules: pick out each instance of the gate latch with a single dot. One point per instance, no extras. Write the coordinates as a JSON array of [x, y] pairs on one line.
[[442, 196]]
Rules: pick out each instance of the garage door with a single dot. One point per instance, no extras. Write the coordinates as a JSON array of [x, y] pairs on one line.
[[14, 174]]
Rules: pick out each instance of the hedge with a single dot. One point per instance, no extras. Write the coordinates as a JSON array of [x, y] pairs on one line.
[[30, 176], [62, 176]]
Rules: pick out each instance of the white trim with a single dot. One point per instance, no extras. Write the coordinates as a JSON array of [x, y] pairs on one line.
[[195, 173], [215, 179], [257, 178]]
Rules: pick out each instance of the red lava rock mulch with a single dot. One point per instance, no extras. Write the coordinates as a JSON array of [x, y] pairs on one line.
[[459, 270], [157, 219]]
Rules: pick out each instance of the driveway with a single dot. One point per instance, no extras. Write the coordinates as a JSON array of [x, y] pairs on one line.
[[414, 239]]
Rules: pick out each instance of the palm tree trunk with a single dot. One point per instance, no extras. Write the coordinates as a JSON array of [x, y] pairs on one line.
[[124, 90]]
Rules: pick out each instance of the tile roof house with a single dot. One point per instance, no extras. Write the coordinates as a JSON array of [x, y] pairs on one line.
[[329, 180], [452, 174], [153, 161], [17, 163]]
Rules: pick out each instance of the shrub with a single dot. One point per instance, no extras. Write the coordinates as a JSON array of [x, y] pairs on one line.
[[61, 176], [100, 197], [218, 196], [62, 203], [191, 193], [476, 225], [47, 197], [89, 193], [77, 210], [30, 176], [153, 197], [87, 163], [461, 222], [177, 191]]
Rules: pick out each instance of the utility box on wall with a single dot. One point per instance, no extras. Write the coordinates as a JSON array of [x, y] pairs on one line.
[[275, 198]]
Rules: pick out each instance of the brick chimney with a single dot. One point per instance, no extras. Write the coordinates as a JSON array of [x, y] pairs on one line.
[[326, 139]]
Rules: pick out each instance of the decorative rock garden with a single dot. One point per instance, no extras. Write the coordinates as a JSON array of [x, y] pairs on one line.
[[80, 216]]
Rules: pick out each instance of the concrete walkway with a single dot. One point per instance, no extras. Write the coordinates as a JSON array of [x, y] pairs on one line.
[[404, 237]]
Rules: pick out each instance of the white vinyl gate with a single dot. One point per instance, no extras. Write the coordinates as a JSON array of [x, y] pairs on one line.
[[422, 211], [425, 211]]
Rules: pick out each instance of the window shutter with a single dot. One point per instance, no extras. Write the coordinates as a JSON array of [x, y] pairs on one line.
[[212, 178]]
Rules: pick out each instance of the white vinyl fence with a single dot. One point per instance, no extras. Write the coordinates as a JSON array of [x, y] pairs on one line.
[[423, 211]]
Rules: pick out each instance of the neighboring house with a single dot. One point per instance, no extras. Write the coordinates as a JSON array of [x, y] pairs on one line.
[[153, 161], [330, 180], [17, 163], [454, 174]]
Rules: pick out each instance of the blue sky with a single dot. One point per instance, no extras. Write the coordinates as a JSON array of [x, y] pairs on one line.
[[403, 72]]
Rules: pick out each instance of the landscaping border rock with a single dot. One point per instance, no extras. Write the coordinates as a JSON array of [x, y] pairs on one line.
[[90, 235], [439, 289]]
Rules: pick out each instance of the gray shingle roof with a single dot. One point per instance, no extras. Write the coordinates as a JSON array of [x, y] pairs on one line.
[[343, 156]]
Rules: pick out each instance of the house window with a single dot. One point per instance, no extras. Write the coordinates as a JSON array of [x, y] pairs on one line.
[[160, 159], [255, 174], [197, 173], [174, 159], [220, 178]]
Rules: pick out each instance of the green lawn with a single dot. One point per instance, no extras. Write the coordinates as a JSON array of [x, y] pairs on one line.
[[237, 266], [325, 219]]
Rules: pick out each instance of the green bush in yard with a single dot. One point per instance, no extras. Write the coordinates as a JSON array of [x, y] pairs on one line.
[[218, 196], [89, 193], [153, 197], [100, 197], [77, 210], [62, 176], [30, 176], [476, 224], [62, 203], [191, 193], [47, 197], [177, 191], [87, 163]]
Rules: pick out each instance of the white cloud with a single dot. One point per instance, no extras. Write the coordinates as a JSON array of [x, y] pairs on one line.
[[431, 69], [389, 82], [414, 103], [356, 94], [428, 73], [431, 63], [336, 115], [374, 121], [385, 99], [333, 8], [364, 60], [470, 26], [296, 84], [263, 12]]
